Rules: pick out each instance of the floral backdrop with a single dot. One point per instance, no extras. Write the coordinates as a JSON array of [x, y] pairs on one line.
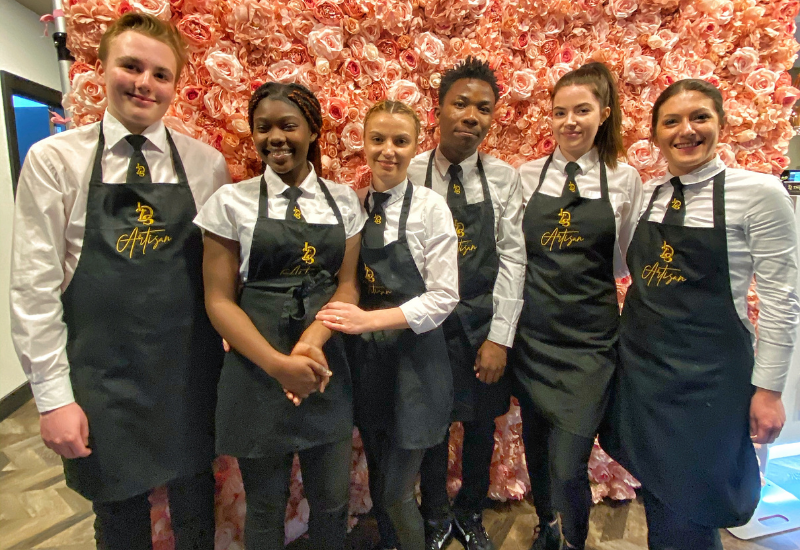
[[354, 52]]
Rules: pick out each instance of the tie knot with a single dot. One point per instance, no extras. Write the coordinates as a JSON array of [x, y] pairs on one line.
[[676, 183], [454, 172], [136, 141], [572, 169], [292, 193], [379, 199]]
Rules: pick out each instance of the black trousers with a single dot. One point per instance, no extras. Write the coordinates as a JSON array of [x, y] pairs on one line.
[[558, 467], [125, 525], [392, 476], [668, 531], [326, 482], [476, 462]]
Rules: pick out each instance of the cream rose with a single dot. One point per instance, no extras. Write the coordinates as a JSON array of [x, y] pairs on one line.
[[640, 69], [743, 61], [521, 84], [225, 70], [429, 48], [283, 71], [405, 91], [621, 9], [761, 81], [353, 136], [643, 155], [326, 42]]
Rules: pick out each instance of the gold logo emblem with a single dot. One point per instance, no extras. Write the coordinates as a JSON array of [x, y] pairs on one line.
[[667, 252], [456, 189], [675, 204], [308, 253], [377, 219], [369, 275], [297, 213], [459, 228], [572, 187], [140, 170], [141, 238], [145, 214], [564, 217]]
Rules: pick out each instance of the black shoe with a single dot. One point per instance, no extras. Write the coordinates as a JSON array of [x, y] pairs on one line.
[[548, 537], [438, 534], [470, 532]]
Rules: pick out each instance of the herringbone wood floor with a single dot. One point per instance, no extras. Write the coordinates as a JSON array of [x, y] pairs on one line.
[[38, 511]]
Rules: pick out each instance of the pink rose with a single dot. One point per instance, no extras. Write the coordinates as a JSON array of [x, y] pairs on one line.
[[640, 69], [643, 155], [555, 73], [429, 48], [786, 96], [621, 9], [553, 25], [522, 83], [351, 69], [157, 8], [353, 136], [328, 13], [197, 30], [664, 39], [226, 71], [219, 102], [335, 109], [375, 69], [743, 61], [727, 155], [283, 71], [238, 124], [325, 42], [279, 41], [545, 146], [388, 48], [761, 81], [87, 97], [409, 60], [405, 91], [86, 23], [193, 95]]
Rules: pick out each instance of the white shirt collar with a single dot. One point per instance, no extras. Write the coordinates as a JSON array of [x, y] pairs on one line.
[[308, 186], [442, 164], [586, 162], [395, 193], [114, 132], [704, 173]]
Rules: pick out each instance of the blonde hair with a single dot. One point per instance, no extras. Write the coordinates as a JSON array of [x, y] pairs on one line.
[[147, 25], [392, 107]]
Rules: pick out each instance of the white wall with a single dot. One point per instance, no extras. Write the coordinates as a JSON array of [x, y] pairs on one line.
[[26, 53]]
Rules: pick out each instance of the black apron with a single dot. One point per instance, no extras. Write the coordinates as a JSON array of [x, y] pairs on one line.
[[402, 380], [290, 277], [565, 351], [467, 328], [144, 358], [679, 420]]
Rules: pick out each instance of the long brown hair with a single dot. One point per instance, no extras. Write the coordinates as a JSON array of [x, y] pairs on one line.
[[600, 81]]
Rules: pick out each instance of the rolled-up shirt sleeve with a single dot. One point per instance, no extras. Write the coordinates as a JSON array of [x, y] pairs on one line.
[[440, 271], [37, 275], [771, 235], [507, 295]]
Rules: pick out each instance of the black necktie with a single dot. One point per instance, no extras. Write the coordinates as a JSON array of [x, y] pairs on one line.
[[455, 191], [376, 224], [571, 186], [138, 171], [676, 209], [293, 211]]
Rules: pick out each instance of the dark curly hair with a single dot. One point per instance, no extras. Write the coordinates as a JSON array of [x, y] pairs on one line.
[[302, 98], [471, 68]]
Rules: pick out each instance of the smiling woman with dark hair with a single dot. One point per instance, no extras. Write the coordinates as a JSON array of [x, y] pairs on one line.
[[691, 398], [292, 240]]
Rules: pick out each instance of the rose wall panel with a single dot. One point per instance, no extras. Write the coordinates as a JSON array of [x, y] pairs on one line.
[[354, 52]]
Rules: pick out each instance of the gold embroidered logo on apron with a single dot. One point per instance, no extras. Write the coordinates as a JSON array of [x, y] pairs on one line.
[[464, 245], [675, 204], [663, 273], [308, 253], [564, 238], [372, 288], [140, 239]]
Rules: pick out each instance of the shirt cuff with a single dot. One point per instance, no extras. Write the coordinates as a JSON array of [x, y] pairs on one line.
[[772, 366], [500, 332], [52, 394], [415, 315]]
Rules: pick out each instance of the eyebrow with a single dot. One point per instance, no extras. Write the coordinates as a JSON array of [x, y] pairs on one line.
[[584, 104], [695, 112], [465, 98]]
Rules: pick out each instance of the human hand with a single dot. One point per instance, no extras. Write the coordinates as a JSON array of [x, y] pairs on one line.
[[344, 317], [65, 430], [300, 375], [767, 416], [314, 352], [490, 363]]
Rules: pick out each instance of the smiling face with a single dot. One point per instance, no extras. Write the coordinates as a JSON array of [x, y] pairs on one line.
[[140, 75], [282, 137], [577, 115], [687, 131], [464, 118], [390, 142]]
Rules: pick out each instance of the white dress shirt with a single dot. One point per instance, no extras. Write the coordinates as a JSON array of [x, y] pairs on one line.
[[232, 211], [762, 240], [49, 223], [506, 195], [624, 191], [433, 244]]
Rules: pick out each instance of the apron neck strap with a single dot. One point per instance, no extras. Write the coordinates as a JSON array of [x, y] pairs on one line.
[[481, 173], [547, 164], [331, 202], [97, 166]]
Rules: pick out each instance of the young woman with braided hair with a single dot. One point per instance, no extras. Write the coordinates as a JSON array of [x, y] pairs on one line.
[[291, 241]]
